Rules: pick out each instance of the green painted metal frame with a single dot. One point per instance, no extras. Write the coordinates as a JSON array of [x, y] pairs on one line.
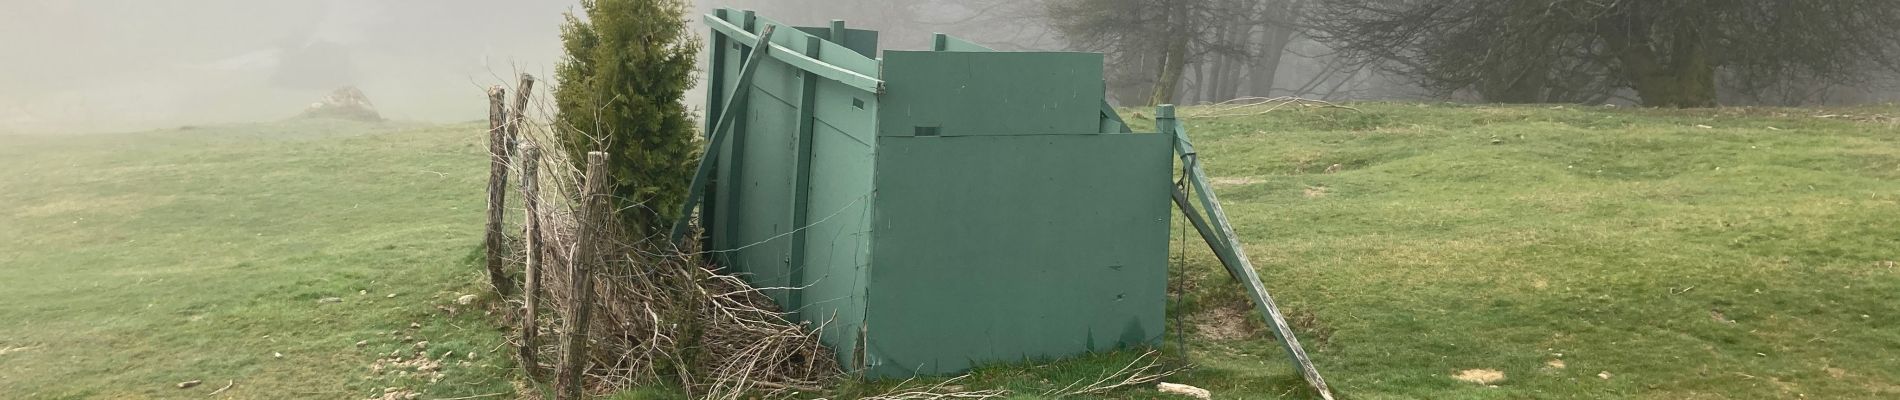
[[801, 60], [1227, 247], [716, 136]]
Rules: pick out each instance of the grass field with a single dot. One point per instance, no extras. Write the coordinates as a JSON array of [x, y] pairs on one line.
[[1580, 252], [132, 262]]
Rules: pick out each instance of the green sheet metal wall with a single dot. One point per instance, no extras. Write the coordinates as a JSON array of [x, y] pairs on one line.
[[933, 211], [1004, 248]]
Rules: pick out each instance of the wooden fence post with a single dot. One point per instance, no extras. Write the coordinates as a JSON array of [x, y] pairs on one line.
[[497, 188], [530, 160], [516, 120], [592, 219]]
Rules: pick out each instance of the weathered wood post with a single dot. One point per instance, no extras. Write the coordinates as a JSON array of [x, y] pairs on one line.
[[530, 160], [519, 117], [497, 188], [592, 219]]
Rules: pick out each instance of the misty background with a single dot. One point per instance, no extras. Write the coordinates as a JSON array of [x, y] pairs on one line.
[[121, 65]]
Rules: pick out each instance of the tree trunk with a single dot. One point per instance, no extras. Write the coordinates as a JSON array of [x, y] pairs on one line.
[[1240, 37], [1174, 55], [1271, 49], [1685, 80]]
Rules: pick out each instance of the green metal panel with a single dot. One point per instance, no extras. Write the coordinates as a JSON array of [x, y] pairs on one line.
[[838, 239], [802, 158], [1004, 248], [953, 43], [971, 93]]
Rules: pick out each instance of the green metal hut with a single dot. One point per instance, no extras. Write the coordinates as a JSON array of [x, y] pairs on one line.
[[930, 211]]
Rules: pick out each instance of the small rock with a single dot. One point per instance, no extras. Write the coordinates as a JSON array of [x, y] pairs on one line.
[[189, 384], [413, 325], [422, 344], [1555, 364], [362, 293], [466, 299], [330, 300], [390, 296], [361, 343], [1184, 390], [1705, 127], [1605, 375], [276, 355]]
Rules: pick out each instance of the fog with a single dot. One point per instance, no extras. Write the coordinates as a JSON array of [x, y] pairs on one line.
[[125, 65], [115, 65]]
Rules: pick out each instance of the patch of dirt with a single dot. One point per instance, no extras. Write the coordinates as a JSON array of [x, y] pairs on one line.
[[1540, 283], [1479, 376], [397, 394], [1555, 364], [1310, 329], [1314, 192], [1224, 323], [419, 367], [1836, 373], [1234, 181], [1719, 317]]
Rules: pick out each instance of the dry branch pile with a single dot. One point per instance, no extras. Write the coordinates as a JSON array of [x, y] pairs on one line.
[[658, 315]]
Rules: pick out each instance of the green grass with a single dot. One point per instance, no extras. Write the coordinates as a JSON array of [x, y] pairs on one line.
[[133, 262], [1751, 259]]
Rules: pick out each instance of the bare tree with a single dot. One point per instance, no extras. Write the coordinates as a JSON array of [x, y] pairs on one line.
[[1172, 51], [1671, 53]]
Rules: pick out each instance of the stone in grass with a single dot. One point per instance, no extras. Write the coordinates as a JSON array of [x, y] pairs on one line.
[[466, 299], [330, 300], [189, 384]]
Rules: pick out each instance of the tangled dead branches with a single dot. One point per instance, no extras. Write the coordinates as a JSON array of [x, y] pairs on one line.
[[660, 316], [1249, 106], [1143, 370]]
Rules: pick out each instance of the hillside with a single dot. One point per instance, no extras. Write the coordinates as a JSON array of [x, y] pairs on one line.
[[1580, 252]]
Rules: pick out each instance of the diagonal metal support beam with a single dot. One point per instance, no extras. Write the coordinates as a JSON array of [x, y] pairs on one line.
[[1213, 239], [717, 136], [1235, 257]]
